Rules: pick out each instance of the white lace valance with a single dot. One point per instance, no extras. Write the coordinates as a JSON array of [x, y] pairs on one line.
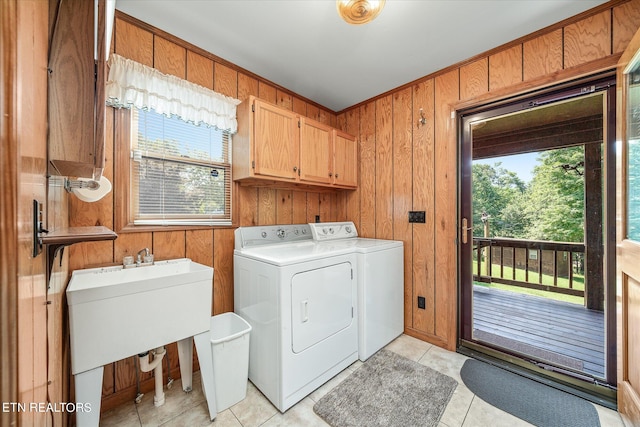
[[133, 84]]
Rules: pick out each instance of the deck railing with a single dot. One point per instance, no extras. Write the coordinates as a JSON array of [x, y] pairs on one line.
[[529, 264]]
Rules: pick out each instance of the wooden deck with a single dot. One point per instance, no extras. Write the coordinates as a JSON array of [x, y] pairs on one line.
[[563, 333]]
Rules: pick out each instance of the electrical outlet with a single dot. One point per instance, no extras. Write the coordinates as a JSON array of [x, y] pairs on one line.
[[417, 216], [317, 218], [422, 303]]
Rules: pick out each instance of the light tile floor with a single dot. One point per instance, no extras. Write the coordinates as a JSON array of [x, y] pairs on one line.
[[190, 409]]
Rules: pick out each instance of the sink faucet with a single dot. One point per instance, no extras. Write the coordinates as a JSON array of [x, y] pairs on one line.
[[139, 259]]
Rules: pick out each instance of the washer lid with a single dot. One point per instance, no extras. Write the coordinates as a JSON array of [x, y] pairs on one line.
[[364, 245], [291, 253]]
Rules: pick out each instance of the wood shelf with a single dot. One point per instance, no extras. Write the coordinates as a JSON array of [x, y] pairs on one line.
[[57, 240]]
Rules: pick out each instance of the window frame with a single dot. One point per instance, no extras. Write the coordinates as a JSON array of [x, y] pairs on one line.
[[123, 206]]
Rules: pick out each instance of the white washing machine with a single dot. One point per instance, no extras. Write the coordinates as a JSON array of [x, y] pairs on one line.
[[300, 299], [380, 267]]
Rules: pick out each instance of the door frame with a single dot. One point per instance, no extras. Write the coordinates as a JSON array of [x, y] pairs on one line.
[[602, 393], [628, 253]]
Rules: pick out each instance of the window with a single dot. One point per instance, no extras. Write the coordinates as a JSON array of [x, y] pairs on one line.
[[180, 173]]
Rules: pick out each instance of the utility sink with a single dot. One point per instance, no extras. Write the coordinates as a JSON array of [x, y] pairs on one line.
[[116, 312]]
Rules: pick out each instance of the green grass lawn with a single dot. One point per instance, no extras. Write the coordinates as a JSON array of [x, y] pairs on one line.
[[578, 283]]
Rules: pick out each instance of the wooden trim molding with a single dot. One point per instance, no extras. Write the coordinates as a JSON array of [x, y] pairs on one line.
[[9, 210]]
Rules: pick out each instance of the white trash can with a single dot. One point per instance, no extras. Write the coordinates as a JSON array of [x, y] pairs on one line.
[[230, 353]]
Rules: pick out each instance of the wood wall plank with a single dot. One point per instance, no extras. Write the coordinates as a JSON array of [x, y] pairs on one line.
[[351, 125], [199, 70], [131, 243], [505, 68], [299, 207], [247, 205], [446, 94], [324, 207], [474, 79], [299, 106], [225, 80], [367, 185], [626, 21], [267, 92], [587, 40], [168, 245], [223, 270], [199, 246], [313, 112], [284, 99], [266, 206], [403, 118], [423, 196], [133, 42], [384, 168], [247, 86], [169, 58], [542, 55], [313, 206], [284, 207]]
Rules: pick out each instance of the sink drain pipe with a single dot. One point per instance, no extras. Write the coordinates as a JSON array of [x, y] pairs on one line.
[[156, 366]]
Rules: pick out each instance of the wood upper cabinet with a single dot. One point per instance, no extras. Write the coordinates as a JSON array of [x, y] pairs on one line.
[[316, 151], [345, 160], [77, 75], [274, 144], [275, 141]]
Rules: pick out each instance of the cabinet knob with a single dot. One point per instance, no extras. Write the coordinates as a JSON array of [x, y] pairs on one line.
[[330, 174], [336, 175], [295, 169]]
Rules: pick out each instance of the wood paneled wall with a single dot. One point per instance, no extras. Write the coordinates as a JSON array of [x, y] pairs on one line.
[[405, 165], [24, 169], [214, 246]]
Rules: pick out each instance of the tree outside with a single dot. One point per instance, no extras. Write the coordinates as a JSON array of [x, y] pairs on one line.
[[549, 207]]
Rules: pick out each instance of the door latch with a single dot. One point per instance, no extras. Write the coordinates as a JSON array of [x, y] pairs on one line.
[[464, 230]]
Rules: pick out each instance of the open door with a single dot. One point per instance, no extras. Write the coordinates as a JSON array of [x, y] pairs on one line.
[[628, 232], [537, 256]]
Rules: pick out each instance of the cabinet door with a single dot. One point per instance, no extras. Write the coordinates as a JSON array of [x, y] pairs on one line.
[[346, 160], [276, 139], [316, 143]]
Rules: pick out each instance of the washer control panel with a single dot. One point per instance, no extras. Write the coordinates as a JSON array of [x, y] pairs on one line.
[[323, 231], [270, 234]]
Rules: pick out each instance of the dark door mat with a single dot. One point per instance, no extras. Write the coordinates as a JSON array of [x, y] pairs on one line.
[[526, 399]]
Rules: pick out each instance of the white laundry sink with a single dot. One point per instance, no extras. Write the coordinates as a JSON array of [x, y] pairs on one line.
[[115, 313]]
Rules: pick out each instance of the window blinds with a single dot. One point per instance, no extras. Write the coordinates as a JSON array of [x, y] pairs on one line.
[[181, 173]]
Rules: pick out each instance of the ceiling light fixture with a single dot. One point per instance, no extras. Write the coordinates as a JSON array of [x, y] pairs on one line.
[[358, 12]]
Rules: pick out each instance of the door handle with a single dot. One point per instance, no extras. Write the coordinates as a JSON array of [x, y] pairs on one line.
[[464, 230], [304, 311]]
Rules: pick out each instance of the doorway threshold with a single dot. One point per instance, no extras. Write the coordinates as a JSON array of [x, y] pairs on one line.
[[587, 388]]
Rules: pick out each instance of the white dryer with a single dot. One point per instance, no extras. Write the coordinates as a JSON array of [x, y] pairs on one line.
[[380, 267], [300, 299]]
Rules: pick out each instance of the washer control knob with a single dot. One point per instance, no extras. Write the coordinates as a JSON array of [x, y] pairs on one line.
[[331, 230], [348, 229], [280, 233], [304, 231], [325, 231], [264, 234]]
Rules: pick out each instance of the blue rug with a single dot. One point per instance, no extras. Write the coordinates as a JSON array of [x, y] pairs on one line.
[[529, 400]]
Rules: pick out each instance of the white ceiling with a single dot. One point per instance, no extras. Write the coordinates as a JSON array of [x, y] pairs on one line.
[[304, 46]]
